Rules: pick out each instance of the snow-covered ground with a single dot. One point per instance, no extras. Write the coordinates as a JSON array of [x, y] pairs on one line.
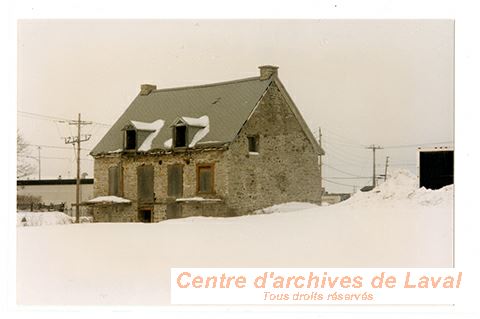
[[47, 218], [395, 225]]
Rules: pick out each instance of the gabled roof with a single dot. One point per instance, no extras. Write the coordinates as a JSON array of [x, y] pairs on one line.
[[220, 110], [227, 105]]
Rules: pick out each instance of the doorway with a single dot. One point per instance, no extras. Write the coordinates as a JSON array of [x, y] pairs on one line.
[[145, 215]]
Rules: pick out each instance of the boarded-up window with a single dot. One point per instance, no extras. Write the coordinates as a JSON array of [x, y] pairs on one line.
[[205, 180], [175, 180], [145, 184], [114, 181]]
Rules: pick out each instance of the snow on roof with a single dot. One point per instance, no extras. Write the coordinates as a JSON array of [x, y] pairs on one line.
[[168, 143], [192, 121], [202, 132], [109, 199], [144, 126], [226, 116], [155, 127]]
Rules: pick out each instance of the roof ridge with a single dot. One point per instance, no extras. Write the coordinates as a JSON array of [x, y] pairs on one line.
[[208, 85]]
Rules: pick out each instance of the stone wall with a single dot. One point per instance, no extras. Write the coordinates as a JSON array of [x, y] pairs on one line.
[[160, 162], [286, 166], [285, 169]]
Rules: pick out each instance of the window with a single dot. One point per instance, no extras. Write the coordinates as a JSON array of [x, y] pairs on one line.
[[145, 182], [175, 180], [130, 139], [253, 144], [114, 181], [205, 180], [180, 136]]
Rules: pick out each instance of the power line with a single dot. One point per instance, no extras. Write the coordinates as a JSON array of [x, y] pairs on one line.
[[53, 157], [344, 138], [42, 116], [57, 147], [417, 145], [341, 171], [342, 184], [54, 118], [345, 154]]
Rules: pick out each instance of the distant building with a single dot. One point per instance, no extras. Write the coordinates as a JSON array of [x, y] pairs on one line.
[[56, 191], [222, 149], [435, 167]]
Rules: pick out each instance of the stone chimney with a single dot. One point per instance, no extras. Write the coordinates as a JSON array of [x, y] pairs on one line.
[[266, 71], [146, 89]]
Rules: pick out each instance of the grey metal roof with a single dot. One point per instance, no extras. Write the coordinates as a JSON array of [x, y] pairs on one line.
[[227, 104]]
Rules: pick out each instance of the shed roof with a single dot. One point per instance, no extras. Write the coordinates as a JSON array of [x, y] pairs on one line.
[[227, 105]]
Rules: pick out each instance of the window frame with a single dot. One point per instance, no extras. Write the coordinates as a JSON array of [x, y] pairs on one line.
[[211, 166], [256, 140], [127, 131], [174, 144]]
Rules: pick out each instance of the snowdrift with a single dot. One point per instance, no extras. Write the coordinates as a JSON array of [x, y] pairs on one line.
[[401, 189], [47, 219], [42, 218], [395, 225]]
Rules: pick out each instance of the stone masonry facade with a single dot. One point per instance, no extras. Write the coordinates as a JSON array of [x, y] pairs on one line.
[[284, 169]]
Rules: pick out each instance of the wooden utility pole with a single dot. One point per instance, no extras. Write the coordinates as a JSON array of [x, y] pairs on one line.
[[77, 140], [386, 169], [39, 165], [374, 147]]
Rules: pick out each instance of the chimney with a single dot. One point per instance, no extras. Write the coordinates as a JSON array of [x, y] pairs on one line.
[[146, 89], [266, 71]]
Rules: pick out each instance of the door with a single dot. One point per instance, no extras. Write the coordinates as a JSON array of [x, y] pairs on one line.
[[145, 215]]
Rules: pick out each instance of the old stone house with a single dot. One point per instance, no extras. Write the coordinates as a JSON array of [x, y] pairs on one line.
[[222, 149]]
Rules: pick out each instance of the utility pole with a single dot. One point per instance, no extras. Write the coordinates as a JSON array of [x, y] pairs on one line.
[[386, 168], [77, 140], [374, 147], [39, 165]]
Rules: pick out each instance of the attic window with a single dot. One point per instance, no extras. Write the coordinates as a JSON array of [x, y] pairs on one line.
[[252, 144], [130, 139], [180, 136]]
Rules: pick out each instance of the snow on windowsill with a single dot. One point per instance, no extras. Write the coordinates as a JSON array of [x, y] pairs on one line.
[[109, 199], [198, 199]]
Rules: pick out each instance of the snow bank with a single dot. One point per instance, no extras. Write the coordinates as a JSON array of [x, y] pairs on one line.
[[400, 189], [129, 263], [109, 199], [48, 218], [42, 218], [286, 208]]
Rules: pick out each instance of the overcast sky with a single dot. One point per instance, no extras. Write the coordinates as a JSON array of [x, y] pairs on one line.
[[385, 82]]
